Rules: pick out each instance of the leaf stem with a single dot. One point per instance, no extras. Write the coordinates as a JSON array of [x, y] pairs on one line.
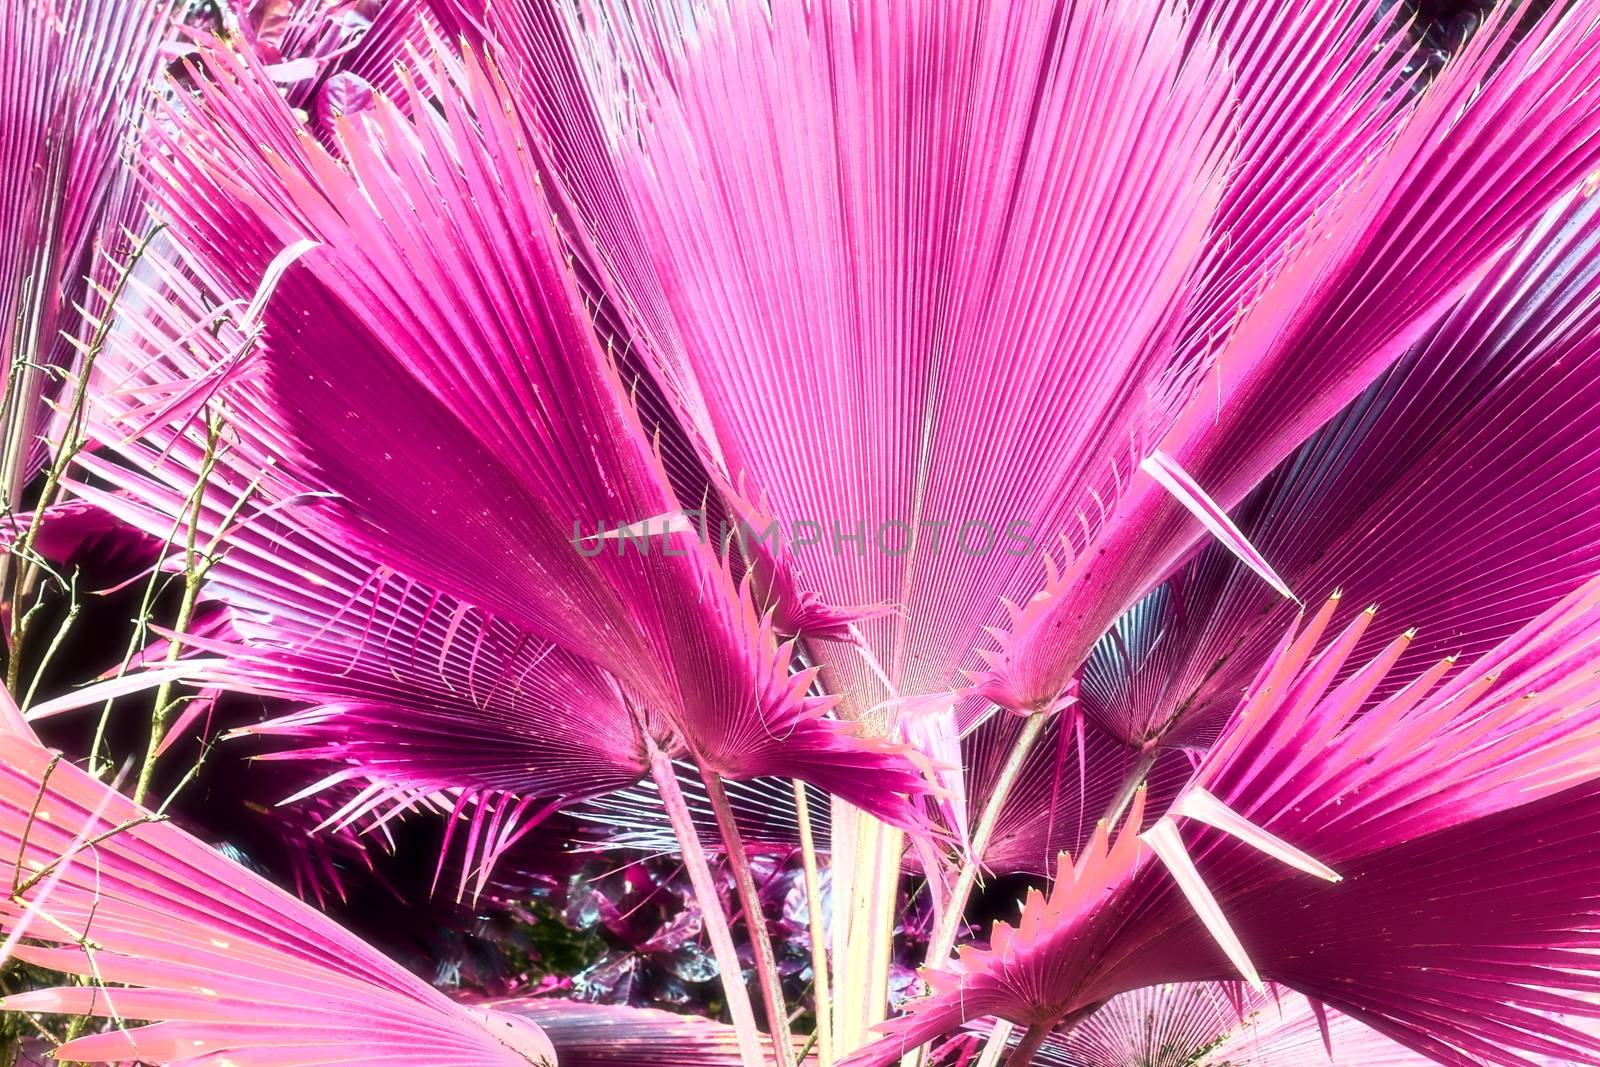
[[705, 888], [944, 939], [1119, 804], [819, 936], [755, 920], [195, 566], [995, 1047], [1032, 1039], [73, 607]]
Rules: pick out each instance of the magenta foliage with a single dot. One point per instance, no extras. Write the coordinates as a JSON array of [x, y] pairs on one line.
[[206, 945], [72, 77], [1387, 503], [482, 335], [1359, 790], [1218, 1025], [508, 470]]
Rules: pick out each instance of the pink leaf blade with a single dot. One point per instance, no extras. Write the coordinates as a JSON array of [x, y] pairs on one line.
[[173, 916], [1175, 480], [1165, 842]]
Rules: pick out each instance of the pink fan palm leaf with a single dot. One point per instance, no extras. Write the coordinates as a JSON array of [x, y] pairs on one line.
[[1215, 1025], [409, 693], [1459, 492], [221, 965], [72, 80], [1381, 263], [905, 276], [484, 463], [1402, 942]]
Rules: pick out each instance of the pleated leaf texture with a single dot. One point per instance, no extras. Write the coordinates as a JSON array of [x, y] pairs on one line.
[[72, 79], [470, 427], [1113, 230], [1147, 448], [1320, 846], [240, 972]]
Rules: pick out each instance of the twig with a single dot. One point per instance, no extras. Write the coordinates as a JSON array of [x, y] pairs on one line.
[[72, 442], [195, 567], [73, 607]]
